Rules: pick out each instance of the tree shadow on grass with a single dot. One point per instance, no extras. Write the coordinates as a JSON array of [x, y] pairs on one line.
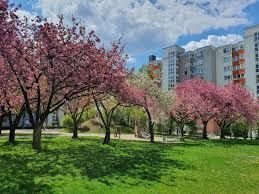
[[26, 171], [233, 142]]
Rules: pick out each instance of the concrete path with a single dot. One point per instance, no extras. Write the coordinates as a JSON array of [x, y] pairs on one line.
[[57, 132]]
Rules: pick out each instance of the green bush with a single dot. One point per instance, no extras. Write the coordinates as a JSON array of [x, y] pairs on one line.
[[67, 122], [89, 114], [239, 129], [228, 131], [127, 116]]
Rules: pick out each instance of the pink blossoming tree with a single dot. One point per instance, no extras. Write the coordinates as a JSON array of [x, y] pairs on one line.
[[54, 63], [144, 92], [199, 99], [236, 102]]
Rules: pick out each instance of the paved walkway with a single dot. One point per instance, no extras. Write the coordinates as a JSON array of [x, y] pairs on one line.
[[53, 132]]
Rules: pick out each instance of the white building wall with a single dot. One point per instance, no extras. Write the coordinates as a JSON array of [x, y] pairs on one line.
[[170, 67], [206, 62], [250, 57], [224, 65]]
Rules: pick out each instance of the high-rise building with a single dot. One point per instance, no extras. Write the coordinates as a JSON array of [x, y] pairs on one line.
[[230, 67], [200, 63], [251, 40], [151, 58], [234, 63], [170, 67]]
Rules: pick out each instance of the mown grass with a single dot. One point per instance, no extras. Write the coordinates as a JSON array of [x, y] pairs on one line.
[[86, 166]]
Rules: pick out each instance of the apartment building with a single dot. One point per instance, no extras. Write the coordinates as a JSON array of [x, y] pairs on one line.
[[230, 64], [200, 63], [170, 67], [235, 63], [53, 121], [251, 45]]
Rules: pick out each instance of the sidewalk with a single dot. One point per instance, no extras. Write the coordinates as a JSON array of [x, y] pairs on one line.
[[56, 132]]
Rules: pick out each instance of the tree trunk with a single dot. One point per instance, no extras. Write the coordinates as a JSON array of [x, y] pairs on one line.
[[107, 137], [36, 141], [182, 133], [11, 127], [171, 127], [204, 130], [222, 134], [150, 126], [1, 122], [75, 130], [12, 133], [0, 127], [151, 131]]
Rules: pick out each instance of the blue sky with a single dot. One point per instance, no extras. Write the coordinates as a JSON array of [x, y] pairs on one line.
[[149, 25]]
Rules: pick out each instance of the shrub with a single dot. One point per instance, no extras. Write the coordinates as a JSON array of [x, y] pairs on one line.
[[67, 122], [239, 129], [192, 128]]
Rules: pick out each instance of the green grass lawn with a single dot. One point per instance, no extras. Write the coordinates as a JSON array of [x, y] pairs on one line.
[[86, 166]]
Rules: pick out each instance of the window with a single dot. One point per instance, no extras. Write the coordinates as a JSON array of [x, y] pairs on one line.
[[241, 47], [237, 67], [199, 54], [226, 59], [256, 57], [226, 50], [227, 68], [242, 66], [257, 68], [256, 36], [229, 77], [199, 71], [235, 58], [257, 78], [225, 77], [241, 56], [257, 88]]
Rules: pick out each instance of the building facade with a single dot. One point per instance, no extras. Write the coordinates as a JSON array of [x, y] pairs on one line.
[[235, 63], [200, 63], [251, 45], [170, 67], [230, 64], [53, 121]]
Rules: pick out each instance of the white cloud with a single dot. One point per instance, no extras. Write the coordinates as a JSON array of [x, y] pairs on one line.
[[29, 15], [215, 41], [131, 60], [149, 24]]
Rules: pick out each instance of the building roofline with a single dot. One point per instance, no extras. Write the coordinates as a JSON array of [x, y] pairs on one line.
[[205, 47], [230, 44], [174, 45], [251, 27], [201, 48]]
